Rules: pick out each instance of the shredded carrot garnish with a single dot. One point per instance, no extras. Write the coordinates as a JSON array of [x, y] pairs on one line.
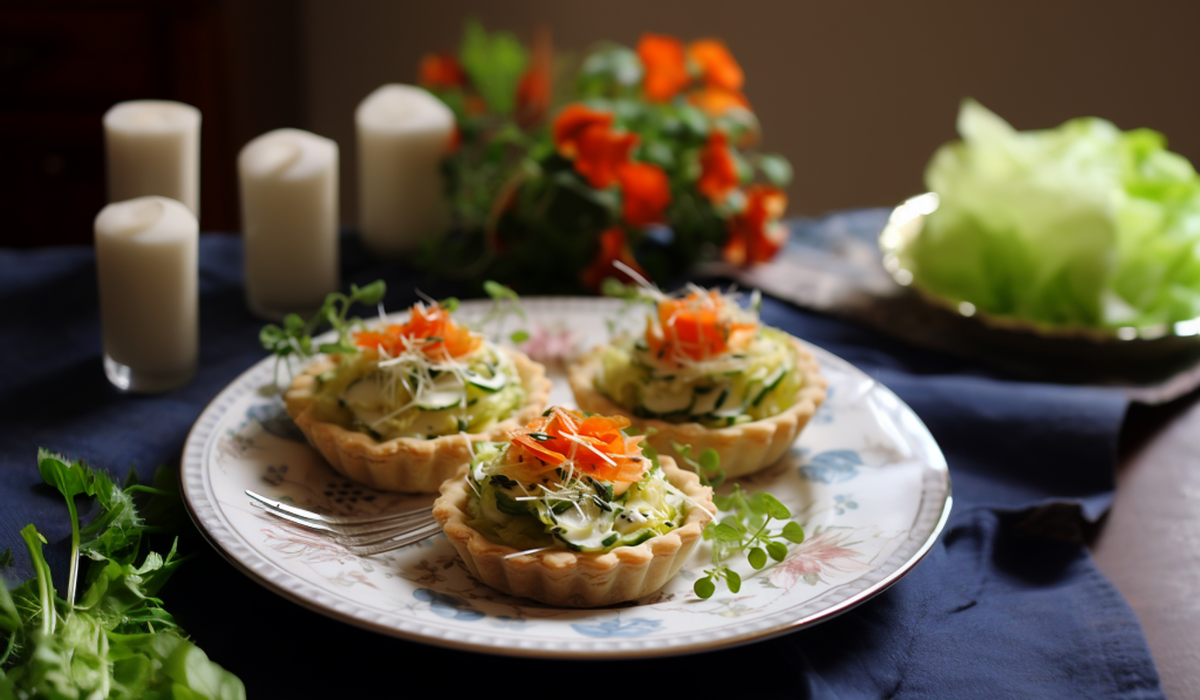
[[700, 326], [594, 445], [429, 328]]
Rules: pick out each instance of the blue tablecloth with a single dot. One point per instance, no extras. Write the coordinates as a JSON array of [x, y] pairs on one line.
[[1008, 604]]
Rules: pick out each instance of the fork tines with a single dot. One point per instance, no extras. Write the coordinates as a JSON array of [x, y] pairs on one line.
[[361, 535]]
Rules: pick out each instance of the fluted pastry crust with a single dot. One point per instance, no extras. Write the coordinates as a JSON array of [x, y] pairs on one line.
[[410, 465], [574, 579], [744, 448]]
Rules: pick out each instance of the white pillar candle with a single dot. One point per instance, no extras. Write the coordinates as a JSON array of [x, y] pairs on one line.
[[153, 148], [289, 188], [147, 266], [403, 134]]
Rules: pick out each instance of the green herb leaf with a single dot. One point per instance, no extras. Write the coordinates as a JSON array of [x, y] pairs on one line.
[[776, 169], [775, 509], [495, 63], [294, 338], [733, 580], [704, 587], [725, 533], [742, 527], [117, 641]]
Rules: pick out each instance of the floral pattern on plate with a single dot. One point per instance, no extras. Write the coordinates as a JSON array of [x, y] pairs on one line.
[[866, 479]]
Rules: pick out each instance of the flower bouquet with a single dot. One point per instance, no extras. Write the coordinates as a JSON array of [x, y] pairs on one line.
[[640, 156]]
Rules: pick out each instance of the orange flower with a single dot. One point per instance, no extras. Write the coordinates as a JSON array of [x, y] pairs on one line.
[[586, 136], [718, 172], [572, 122], [441, 70], [475, 104], [717, 101], [533, 90], [594, 445], [699, 326], [756, 234], [646, 191], [602, 153], [533, 97], [665, 63], [429, 329], [613, 247], [718, 68]]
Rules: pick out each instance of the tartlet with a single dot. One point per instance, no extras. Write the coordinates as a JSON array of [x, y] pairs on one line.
[[565, 562], [751, 423], [414, 463]]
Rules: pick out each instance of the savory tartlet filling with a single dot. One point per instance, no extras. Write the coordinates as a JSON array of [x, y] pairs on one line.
[[570, 481], [702, 359], [425, 378]]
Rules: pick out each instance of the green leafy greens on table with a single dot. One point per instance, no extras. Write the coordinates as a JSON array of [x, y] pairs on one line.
[[117, 640], [1082, 225]]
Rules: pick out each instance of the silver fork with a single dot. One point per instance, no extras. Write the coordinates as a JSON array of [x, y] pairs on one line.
[[361, 535]]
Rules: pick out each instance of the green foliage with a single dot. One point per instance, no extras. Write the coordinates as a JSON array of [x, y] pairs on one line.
[[295, 337], [494, 62], [117, 641], [505, 303], [744, 529], [610, 70], [707, 467], [523, 213]]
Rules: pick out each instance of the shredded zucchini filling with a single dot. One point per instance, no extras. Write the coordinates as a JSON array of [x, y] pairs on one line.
[[750, 383], [567, 509], [417, 396]]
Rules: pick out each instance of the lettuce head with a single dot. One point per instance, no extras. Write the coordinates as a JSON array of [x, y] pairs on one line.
[[1082, 225]]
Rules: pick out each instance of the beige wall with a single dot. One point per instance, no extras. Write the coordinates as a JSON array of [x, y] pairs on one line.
[[856, 94]]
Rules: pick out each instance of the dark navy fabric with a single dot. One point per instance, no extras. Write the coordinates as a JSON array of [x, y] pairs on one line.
[[1008, 604]]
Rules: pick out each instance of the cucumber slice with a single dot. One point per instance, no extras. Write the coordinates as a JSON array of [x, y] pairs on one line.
[[770, 383], [491, 384], [708, 399], [447, 391], [668, 402]]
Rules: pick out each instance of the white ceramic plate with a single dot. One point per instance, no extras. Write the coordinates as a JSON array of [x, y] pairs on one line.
[[865, 479]]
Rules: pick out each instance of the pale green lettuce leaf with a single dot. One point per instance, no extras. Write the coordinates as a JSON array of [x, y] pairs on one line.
[[1082, 225]]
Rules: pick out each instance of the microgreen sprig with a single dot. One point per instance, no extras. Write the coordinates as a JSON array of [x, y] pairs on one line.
[[746, 528], [707, 467], [505, 302], [294, 337]]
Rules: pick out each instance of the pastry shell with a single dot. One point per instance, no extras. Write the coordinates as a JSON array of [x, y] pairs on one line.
[[410, 465], [567, 579], [745, 448]]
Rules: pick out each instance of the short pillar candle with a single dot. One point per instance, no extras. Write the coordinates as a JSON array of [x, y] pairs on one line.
[[153, 148], [147, 257], [404, 132], [289, 193]]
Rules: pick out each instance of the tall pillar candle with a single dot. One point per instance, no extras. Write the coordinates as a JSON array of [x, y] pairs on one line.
[[147, 258], [403, 134], [153, 148], [289, 190]]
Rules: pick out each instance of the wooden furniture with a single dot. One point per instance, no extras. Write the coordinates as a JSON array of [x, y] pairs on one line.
[[1149, 545], [63, 65]]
